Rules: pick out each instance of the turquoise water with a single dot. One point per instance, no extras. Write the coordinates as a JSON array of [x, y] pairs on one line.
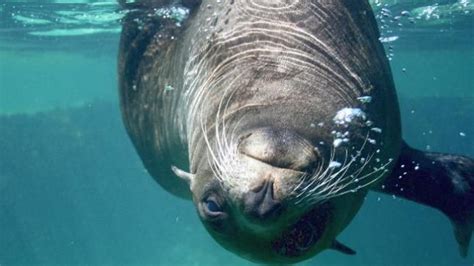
[[73, 191]]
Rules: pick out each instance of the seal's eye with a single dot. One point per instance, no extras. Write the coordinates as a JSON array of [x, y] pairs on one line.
[[212, 207]]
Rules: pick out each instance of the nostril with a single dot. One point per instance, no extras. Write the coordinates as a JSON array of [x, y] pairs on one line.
[[260, 203]]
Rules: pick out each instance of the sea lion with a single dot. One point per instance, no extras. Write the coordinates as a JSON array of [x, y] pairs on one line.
[[278, 116]]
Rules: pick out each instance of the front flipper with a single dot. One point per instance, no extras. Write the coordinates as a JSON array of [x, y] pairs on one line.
[[441, 181]]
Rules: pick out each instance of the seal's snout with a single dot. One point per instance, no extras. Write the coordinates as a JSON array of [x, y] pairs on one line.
[[261, 204], [280, 148]]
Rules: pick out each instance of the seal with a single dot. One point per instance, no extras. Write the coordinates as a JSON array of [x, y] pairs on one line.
[[278, 117]]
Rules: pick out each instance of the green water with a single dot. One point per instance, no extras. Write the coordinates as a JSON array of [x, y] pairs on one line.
[[73, 191]]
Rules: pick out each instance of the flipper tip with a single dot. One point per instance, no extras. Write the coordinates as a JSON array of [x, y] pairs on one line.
[[463, 234], [336, 245]]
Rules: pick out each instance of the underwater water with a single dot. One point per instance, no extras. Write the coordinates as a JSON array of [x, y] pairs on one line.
[[73, 190]]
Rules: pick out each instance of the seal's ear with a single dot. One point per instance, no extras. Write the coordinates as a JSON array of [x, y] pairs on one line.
[[188, 177]]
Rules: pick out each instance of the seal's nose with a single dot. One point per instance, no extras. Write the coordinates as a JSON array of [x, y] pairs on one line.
[[260, 203]]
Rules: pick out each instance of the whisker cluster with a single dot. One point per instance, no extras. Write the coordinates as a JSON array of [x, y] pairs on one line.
[[338, 179], [223, 154]]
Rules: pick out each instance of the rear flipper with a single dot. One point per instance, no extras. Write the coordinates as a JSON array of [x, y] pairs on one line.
[[442, 181]]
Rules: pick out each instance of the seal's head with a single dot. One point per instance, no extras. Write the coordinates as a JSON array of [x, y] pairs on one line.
[[285, 110], [288, 114], [273, 196]]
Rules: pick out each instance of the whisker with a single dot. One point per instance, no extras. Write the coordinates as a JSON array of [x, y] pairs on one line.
[[329, 183]]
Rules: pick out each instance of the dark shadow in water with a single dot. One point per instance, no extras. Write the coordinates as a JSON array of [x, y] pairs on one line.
[[72, 190]]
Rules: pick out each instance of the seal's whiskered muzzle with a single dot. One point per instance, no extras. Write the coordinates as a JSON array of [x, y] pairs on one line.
[[280, 148]]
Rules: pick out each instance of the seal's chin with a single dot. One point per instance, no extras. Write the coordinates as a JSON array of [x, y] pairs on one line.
[[304, 234]]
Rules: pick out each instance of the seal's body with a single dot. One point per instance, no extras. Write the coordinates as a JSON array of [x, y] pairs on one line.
[[283, 112]]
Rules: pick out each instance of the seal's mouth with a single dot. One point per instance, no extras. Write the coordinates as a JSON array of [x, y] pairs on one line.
[[304, 234]]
